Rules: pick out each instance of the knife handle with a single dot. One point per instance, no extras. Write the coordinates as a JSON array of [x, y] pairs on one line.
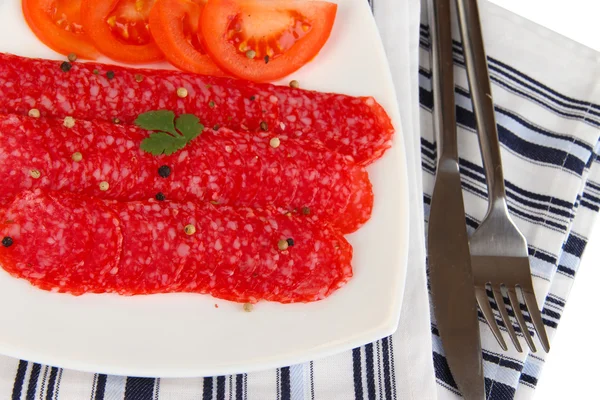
[[483, 105], [442, 71]]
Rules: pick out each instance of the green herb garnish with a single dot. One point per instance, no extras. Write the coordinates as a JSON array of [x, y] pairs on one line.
[[172, 134]]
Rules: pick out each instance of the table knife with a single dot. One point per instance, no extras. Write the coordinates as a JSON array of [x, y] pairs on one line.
[[452, 288]]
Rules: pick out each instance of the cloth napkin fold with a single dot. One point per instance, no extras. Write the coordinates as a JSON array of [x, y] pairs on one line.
[[546, 96]]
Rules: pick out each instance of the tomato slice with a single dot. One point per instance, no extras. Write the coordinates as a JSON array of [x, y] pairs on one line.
[[57, 24], [119, 29], [174, 27], [263, 40]]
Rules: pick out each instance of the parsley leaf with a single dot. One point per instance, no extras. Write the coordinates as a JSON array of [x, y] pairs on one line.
[[173, 134], [159, 120], [189, 125], [162, 143]]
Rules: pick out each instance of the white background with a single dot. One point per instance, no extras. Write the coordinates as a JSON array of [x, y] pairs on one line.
[[572, 368]]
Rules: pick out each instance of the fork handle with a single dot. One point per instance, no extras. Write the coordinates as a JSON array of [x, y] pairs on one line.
[[483, 105]]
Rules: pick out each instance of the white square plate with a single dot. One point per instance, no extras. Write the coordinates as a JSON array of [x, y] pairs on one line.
[[184, 335]]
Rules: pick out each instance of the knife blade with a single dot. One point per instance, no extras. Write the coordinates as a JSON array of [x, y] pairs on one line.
[[451, 279]]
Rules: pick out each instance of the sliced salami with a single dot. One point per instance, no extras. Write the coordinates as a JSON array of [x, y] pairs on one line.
[[272, 177], [57, 236], [249, 167], [219, 182], [213, 244], [27, 163], [101, 266], [290, 173], [172, 247], [104, 160], [354, 126], [360, 205], [234, 169], [189, 173]]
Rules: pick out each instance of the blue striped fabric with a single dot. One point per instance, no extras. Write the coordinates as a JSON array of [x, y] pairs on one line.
[[535, 149], [563, 156]]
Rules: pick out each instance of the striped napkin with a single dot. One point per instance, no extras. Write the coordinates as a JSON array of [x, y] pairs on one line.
[[546, 94], [544, 88]]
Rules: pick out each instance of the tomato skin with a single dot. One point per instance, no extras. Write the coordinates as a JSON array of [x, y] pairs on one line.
[[94, 14], [215, 25], [37, 14], [167, 19]]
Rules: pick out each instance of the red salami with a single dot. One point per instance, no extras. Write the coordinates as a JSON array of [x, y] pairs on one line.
[[104, 160], [355, 126], [360, 204], [81, 233], [148, 247]]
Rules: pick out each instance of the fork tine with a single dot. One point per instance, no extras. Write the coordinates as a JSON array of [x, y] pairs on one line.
[[509, 326], [516, 306], [536, 318], [484, 304]]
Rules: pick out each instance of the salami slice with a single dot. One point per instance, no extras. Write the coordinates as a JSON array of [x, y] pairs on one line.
[[101, 266], [360, 204], [237, 254], [234, 168], [27, 164], [219, 181], [272, 176], [290, 172], [354, 126], [154, 255], [225, 167], [249, 165], [57, 233]]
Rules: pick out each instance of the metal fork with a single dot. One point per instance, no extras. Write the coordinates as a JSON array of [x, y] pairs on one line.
[[499, 256]]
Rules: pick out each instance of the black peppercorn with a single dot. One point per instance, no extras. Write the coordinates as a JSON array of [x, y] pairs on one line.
[[164, 171], [65, 66]]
